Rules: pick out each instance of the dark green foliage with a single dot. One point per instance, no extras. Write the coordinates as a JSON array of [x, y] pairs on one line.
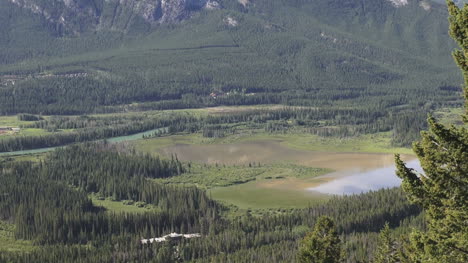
[[53, 213], [386, 251], [443, 188], [407, 128], [322, 245], [442, 191], [29, 117], [95, 168]]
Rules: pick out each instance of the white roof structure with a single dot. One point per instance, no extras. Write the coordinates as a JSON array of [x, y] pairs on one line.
[[169, 237]]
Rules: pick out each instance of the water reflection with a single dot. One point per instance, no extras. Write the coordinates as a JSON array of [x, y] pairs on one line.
[[347, 183]]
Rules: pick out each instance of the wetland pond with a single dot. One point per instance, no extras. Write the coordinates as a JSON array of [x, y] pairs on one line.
[[353, 172], [361, 181]]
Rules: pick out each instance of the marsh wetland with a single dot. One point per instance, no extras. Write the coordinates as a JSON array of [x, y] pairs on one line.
[[283, 184]]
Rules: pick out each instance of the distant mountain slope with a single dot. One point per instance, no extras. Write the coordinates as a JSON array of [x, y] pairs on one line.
[[403, 24], [297, 52], [73, 16]]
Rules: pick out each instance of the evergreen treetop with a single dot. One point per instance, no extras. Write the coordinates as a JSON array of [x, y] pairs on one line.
[[442, 190]]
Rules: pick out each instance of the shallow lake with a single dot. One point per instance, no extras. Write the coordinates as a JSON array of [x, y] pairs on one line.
[[356, 182], [354, 172]]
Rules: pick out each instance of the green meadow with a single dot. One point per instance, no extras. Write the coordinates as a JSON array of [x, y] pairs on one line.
[[369, 143], [255, 196], [9, 243], [213, 176], [126, 206]]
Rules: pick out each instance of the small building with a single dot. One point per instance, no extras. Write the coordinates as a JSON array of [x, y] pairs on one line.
[[170, 237]]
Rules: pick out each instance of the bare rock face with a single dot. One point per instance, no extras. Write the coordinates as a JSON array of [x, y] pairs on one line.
[[78, 15], [399, 3], [57, 11], [161, 11], [174, 10]]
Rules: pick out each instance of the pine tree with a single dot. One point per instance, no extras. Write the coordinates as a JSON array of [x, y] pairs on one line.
[[443, 188], [386, 250], [322, 245]]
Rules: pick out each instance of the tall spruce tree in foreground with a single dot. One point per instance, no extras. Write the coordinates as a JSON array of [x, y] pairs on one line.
[[443, 189], [322, 245]]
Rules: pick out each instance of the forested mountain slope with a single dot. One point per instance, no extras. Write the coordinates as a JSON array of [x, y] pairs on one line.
[[80, 56]]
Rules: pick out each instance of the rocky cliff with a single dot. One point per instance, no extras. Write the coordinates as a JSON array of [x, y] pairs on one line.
[[79, 15]]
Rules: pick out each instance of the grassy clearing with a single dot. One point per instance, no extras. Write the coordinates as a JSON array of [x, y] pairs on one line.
[[371, 143], [210, 176], [8, 241], [450, 116], [23, 158], [152, 113], [12, 121], [25, 132], [154, 144], [255, 187], [121, 206], [193, 112], [254, 195]]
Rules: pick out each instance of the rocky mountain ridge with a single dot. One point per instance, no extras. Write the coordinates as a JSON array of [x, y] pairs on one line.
[[79, 15], [76, 16]]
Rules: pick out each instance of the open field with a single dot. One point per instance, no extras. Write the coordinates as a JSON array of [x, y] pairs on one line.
[[372, 143], [255, 187], [450, 116], [23, 158], [120, 206], [270, 152], [12, 121], [8, 241], [27, 132], [265, 193], [210, 176], [195, 111]]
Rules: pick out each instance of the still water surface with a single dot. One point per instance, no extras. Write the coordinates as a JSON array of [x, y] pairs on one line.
[[356, 182]]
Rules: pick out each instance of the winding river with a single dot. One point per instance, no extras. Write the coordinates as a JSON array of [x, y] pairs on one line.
[[132, 137]]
